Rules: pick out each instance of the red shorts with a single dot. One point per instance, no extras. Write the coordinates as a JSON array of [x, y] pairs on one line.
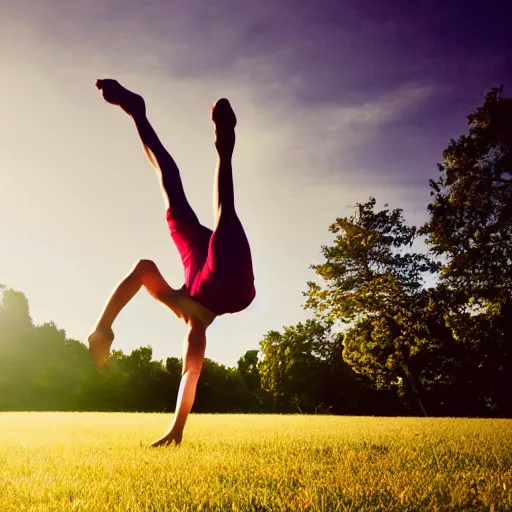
[[217, 265]]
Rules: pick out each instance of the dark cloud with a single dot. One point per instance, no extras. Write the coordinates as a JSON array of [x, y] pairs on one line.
[[343, 51], [327, 51], [314, 54]]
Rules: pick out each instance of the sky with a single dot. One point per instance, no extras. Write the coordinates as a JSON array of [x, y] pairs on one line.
[[336, 101]]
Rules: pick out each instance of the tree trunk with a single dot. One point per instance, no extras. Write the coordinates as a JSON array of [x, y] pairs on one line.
[[413, 382], [415, 385]]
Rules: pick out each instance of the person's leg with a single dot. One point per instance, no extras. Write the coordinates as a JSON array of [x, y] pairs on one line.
[[224, 120], [193, 357], [229, 251], [190, 236], [145, 273], [159, 157]]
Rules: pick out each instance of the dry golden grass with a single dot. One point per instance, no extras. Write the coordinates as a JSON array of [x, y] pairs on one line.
[[101, 462]]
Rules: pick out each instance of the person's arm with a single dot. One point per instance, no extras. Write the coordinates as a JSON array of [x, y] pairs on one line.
[[193, 357]]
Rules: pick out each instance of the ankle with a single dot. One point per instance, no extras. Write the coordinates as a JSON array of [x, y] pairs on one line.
[[225, 155], [176, 432], [225, 148], [225, 142], [104, 328]]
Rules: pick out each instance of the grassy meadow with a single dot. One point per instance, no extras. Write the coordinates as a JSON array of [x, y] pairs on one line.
[[101, 462]]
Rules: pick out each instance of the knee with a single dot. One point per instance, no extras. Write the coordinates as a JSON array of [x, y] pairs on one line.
[[144, 267], [193, 370]]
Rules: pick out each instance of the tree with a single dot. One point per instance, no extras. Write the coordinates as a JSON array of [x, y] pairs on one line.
[[470, 226], [14, 311], [15, 330], [373, 283], [216, 391], [303, 370], [287, 358], [248, 367], [471, 215], [252, 396]]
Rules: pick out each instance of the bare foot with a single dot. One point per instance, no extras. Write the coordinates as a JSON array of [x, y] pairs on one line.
[[100, 342], [224, 119], [168, 439], [223, 115], [115, 94]]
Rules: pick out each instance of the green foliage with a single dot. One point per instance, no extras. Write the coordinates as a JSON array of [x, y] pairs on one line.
[[41, 369], [470, 226], [256, 398], [303, 370], [471, 213], [373, 283], [248, 367], [287, 358], [368, 268]]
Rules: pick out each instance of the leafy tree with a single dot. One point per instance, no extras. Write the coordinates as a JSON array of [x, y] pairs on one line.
[[471, 214], [287, 358], [247, 374], [470, 226], [373, 283], [15, 328], [215, 390], [303, 369], [14, 310], [248, 367]]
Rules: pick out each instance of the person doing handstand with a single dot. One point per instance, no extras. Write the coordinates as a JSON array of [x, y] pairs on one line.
[[217, 264]]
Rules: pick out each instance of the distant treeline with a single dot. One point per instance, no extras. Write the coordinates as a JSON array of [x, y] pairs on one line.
[[379, 343], [41, 369]]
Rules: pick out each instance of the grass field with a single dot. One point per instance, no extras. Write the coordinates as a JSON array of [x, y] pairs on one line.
[[95, 462]]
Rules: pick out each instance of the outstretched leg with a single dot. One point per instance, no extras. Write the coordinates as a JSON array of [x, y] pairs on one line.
[[224, 120], [159, 157], [188, 237], [193, 357], [145, 273], [229, 252]]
